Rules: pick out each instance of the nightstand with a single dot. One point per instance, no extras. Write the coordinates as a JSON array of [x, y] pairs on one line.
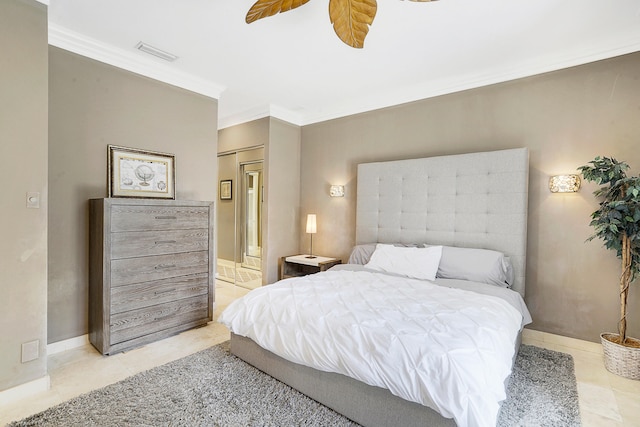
[[300, 265]]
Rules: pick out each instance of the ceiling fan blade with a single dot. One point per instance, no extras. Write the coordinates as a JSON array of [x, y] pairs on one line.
[[263, 8], [351, 19]]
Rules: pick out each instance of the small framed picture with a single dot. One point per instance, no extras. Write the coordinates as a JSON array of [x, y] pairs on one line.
[[225, 189], [141, 173]]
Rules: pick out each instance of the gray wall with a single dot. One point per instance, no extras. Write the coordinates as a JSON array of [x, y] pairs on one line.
[[282, 196], [92, 105], [565, 118], [23, 168], [226, 209], [246, 135]]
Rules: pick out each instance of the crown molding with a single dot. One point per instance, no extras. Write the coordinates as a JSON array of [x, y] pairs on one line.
[[286, 115], [131, 61], [447, 86], [77, 43], [441, 87], [260, 113], [243, 117]]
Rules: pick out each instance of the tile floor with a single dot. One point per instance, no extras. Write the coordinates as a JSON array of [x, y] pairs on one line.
[[605, 399], [229, 272]]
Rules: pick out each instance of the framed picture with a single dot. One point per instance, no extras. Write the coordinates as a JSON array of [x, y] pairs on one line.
[[141, 173], [225, 190]]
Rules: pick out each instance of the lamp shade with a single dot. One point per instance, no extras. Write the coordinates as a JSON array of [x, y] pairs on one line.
[[564, 183], [311, 224], [336, 191]]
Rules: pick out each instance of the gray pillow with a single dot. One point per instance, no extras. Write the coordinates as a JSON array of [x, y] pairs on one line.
[[361, 254], [476, 265]]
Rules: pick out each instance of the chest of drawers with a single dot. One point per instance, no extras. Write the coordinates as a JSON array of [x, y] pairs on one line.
[[151, 270]]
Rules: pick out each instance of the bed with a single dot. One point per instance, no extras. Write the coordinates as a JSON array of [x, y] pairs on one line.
[[421, 327]]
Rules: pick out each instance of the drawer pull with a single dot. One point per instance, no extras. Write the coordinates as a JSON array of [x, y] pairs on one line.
[[161, 266], [165, 217], [161, 242], [165, 291]]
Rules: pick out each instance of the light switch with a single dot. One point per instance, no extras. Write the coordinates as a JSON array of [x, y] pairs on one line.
[[33, 200]]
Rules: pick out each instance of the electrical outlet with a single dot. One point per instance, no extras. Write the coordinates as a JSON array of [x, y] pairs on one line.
[[30, 351]]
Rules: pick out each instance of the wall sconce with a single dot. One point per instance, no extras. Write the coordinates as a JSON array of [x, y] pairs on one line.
[[336, 191], [311, 230], [564, 184]]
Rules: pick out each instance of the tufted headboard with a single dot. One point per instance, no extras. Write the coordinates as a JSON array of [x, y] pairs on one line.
[[476, 200]]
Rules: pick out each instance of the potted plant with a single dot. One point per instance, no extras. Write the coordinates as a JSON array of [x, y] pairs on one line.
[[617, 223]]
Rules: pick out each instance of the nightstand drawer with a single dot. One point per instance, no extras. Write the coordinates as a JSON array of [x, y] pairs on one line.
[[140, 295], [144, 243], [138, 218], [137, 270]]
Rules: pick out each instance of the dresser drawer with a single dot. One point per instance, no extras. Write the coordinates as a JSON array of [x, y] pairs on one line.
[[140, 295], [152, 268], [131, 244], [140, 218], [133, 324]]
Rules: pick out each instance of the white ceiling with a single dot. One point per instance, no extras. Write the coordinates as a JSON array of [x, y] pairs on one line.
[[293, 66]]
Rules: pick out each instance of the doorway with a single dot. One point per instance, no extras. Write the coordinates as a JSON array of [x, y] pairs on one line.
[[239, 219]]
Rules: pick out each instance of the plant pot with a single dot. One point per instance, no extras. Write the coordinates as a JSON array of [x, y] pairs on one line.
[[620, 359]]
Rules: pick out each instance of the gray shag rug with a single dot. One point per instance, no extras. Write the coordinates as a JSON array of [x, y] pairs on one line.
[[215, 388]]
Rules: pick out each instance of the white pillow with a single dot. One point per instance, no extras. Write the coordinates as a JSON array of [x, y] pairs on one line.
[[414, 262], [361, 254]]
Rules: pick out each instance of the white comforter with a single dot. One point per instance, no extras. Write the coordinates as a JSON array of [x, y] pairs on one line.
[[449, 349]]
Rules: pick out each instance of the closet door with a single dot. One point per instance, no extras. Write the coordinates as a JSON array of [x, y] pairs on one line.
[[239, 218]]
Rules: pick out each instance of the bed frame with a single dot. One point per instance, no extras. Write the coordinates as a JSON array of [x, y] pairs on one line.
[[471, 200]]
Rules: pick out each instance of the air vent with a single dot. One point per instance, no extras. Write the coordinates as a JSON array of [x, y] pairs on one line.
[[156, 52]]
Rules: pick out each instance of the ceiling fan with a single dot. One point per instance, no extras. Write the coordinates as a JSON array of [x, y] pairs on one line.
[[350, 18]]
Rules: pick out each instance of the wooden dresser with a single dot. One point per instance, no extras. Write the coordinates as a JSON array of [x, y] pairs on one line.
[[151, 270]]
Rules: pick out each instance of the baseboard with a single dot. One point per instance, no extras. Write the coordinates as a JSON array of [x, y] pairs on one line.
[[531, 335], [68, 344], [41, 384], [24, 390]]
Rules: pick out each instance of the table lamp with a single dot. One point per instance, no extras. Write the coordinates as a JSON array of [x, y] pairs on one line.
[[311, 229]]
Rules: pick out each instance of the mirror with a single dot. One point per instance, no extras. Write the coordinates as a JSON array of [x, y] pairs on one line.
[[251, 208]]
